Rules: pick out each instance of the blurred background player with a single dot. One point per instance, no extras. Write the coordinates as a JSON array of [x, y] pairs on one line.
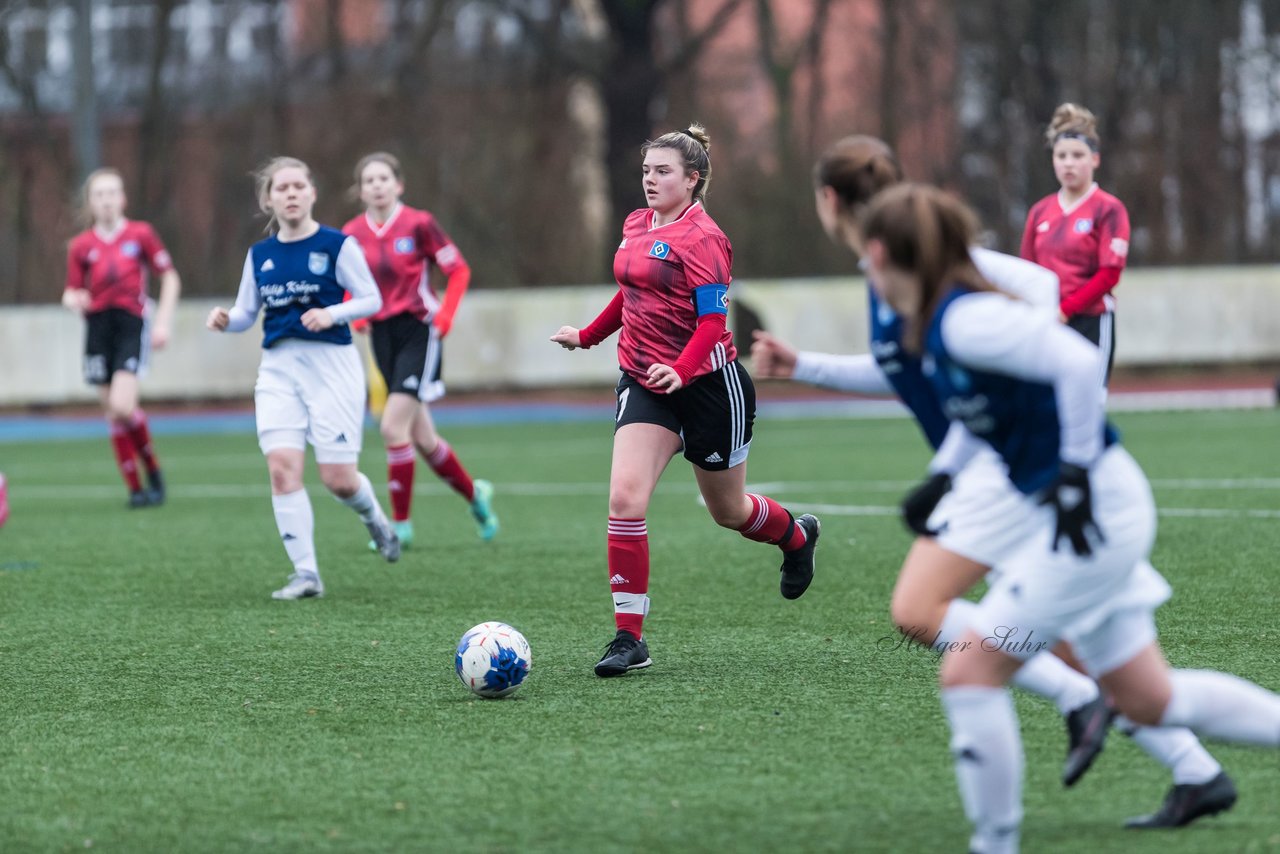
[[1080, 232], [681, 387], [400, 243], [1013, 380], [107, 276], [310, 386], [965, 529]]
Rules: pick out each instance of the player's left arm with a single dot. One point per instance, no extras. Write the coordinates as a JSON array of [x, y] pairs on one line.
[[707, 269], [445, 254], [170, 287], [353, 273], [1113, 253]]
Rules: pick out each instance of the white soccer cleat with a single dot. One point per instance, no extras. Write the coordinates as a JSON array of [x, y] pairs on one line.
[[302, 585], [384, 538]]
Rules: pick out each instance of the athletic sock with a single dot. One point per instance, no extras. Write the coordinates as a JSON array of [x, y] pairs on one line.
[[444, 462], [296, 524], [770, 522], [629, 572], [1043, 674], [400, 469], [140, 435], [1176, 748], [987, 749], [365, 501], [1223, 706], [123, 448]]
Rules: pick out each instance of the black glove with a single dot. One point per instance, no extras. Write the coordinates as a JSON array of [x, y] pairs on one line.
[[920, 502], [1071, 500]]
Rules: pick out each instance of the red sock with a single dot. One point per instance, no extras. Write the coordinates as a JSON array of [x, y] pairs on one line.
[[124, 450], [629, 572], [140, 435], [444, 462], [771, 523], [400, 467]]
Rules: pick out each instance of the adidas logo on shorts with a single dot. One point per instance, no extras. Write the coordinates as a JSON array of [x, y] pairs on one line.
[[342, 438], [715, 457]]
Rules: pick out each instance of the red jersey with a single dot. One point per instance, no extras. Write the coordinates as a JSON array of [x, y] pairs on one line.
[[115, 270], [1076, 242], [399, 252], [658, 270]]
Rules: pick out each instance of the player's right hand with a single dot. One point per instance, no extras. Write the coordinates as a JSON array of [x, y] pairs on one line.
[[217, 319], [771, 357], [76, 299], [568, 337]]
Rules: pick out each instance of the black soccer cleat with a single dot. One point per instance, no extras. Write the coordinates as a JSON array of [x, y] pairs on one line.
[[797, 565], [624, 653], [1188, 802], [1087, 729], [155, 491], [139, 499]]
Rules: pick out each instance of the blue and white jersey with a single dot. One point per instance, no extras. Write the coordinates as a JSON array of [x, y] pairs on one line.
[[1019, 381], [288, 279], [904, 370]]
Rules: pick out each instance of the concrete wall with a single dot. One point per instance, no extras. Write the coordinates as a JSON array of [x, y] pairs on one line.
[[1207, 315]]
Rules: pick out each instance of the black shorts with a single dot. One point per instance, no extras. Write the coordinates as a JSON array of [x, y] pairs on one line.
[[408, 355], [1101, 330], [113, 342], [713, 414]]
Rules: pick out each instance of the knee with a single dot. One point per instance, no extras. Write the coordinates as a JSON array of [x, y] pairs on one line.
[[1143, 708], [285, 478], [393, 434], [911, 616], [732, 518], [343, 484], [627, 501]]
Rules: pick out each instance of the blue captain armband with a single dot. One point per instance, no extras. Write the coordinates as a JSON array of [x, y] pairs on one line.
[[711, 299]]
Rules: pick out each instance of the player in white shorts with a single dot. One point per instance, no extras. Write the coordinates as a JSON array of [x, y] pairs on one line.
[[1012, 378], [311, 386], [980, 519]]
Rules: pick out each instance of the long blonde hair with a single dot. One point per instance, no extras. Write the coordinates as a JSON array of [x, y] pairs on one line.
[[262, 178], [84, 214]]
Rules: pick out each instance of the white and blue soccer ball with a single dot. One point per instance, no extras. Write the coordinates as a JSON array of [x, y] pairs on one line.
[[493, 659]]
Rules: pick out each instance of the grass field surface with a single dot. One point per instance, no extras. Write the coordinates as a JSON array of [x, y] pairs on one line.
[[155, 698]]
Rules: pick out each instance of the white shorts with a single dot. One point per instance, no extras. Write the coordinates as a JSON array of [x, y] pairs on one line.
[[1042, 596], [311, 392], [984, 517]]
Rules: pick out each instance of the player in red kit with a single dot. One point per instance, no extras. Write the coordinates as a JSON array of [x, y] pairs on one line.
[[400, 243], [1080, 232], [681, 387], [107, 272]]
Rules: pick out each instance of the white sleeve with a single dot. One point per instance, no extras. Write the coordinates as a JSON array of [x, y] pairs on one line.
[[248, 301], [353, 274], [990, 332], [860, 374], [957, 448], [1024, 279]]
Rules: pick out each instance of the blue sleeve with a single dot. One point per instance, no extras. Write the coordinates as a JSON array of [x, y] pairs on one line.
[[711, 299]]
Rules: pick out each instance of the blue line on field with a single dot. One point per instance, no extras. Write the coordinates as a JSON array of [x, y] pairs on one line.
[[30, 428]]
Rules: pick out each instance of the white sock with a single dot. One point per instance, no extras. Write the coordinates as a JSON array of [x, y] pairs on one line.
[[296, 524], [956, 621], [1049, 676], [365, 501], [1223, 706], [1043, 674], [1176, 748], [987, 749]]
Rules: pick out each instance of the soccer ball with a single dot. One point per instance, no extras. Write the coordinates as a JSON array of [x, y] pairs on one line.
[[493, 659]]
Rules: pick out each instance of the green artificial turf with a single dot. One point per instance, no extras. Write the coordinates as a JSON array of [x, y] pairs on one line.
[[153, 697]]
